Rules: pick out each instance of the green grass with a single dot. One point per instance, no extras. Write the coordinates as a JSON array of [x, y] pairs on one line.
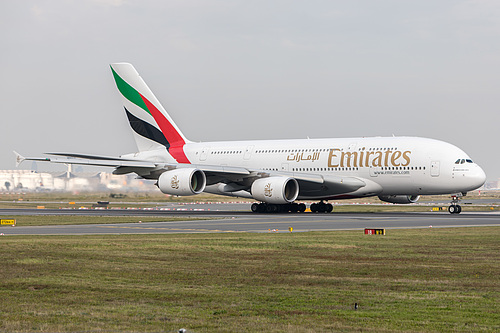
[[24, 220], [440, 280]]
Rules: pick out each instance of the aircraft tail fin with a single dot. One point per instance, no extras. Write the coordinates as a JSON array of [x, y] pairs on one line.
[[152, 125]]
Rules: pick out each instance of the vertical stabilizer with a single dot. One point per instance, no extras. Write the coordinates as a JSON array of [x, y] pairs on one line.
[[153, 127]]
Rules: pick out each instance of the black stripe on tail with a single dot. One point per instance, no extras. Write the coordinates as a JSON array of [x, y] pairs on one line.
[[146, 130]]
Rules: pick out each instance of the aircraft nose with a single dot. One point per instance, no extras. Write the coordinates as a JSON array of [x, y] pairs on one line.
[[479, 177]]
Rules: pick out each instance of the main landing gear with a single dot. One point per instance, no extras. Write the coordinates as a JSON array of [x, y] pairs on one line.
[[264, 207], [454, 208], [321, 207]]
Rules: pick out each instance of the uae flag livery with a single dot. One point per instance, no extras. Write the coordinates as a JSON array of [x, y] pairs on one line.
[[163, 131]]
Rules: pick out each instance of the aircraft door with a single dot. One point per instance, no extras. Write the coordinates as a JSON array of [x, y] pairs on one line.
[[248, 152], [204, 153], [435, 168]]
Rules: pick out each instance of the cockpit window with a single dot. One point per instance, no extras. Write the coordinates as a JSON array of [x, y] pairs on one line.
[[462, 161]]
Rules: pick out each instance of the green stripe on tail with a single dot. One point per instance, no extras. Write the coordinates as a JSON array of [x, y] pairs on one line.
[[128, 92]]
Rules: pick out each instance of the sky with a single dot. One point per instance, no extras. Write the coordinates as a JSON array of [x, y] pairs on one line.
[[237, 70]]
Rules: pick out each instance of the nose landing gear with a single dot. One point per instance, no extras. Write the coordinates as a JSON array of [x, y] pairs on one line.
[[455, 208]]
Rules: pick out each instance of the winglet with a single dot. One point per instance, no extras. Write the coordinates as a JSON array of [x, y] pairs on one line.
[[19, 158]]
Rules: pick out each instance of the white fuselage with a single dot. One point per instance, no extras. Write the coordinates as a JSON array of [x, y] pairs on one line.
[[389, 165]]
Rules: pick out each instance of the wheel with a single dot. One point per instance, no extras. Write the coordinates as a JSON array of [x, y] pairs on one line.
[[329, 208], [271, 208], [452, 209], [314, 207], [321, 207], [287, 208], [284, 208], [261, 207], [459, 209], [255, 207], [294, 207], [302, 207]]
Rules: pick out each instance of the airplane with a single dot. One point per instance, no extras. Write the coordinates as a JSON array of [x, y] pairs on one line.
[[279, 174]]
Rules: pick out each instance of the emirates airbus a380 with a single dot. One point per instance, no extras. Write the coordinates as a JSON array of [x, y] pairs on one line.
[[279, 173]]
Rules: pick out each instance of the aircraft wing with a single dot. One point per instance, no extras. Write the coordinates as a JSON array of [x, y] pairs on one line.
[[94, 160], [235, 178], [124, 165]]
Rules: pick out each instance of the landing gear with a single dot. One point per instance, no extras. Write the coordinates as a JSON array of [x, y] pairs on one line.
[[454, 208], [264, 207], [321, 207]]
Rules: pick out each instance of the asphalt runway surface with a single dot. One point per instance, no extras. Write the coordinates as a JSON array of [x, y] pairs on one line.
[[227, 220]]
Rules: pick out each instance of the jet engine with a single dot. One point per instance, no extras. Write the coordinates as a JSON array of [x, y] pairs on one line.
[[275, 190], [187, 181], [399, 199]]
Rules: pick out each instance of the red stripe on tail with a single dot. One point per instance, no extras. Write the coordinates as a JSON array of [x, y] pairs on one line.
[[173, 137]]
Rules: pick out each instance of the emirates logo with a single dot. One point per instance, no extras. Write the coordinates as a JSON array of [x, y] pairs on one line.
[[268, 191], [174, 183]]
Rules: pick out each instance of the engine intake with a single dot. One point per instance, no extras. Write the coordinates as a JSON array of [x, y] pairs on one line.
[[276, 190], [182, 182], [399, 199]]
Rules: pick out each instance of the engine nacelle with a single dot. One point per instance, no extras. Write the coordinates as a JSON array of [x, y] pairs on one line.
[[182, 181], [275, 190], [399, 199]]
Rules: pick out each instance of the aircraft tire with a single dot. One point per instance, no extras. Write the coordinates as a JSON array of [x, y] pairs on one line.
[[314, 207], [271, 208], [459, 209], [452, 209], [255, 208], [261, 208], [329, 208], [302, 207]]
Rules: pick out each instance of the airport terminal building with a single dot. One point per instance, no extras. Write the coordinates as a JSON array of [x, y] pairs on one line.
[[33, 181]]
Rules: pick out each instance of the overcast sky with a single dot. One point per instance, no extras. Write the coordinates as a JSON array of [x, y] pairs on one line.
[[234, 70]]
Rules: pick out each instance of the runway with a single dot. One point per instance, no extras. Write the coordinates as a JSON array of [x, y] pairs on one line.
[[237, 221]]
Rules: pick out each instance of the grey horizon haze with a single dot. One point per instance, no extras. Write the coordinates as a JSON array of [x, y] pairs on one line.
[[237, 70]]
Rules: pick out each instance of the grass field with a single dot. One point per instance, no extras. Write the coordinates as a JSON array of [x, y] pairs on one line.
[[26, 220], [440, 280]]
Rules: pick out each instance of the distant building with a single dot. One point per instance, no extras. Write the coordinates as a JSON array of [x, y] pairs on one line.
[[28, 180], [492, 185]]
